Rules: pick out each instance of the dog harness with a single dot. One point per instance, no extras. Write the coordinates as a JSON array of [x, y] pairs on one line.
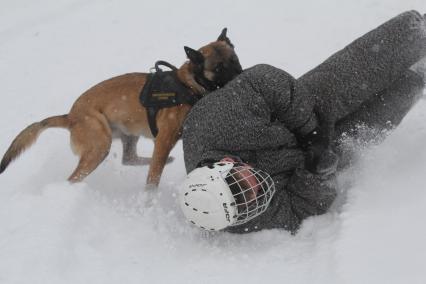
[[163, 89]]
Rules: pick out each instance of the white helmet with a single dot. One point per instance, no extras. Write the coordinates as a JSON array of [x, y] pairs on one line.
[[225, 194]]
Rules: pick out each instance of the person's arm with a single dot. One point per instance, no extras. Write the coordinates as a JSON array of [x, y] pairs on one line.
[[213, 156], [299, 195], [280, 160], [310, 194], [297, 198], [272, 159], [253, 133]]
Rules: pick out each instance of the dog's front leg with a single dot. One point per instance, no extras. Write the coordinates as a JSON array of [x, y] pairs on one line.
[[164, 143]]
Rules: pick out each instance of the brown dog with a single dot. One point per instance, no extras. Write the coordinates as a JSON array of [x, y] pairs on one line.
[[113, 109]]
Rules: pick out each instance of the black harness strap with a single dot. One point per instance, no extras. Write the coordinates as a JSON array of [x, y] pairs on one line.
[[164, 89], [164, 63], [152, 120]]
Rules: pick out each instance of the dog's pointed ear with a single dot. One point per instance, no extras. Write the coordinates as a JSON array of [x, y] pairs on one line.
[[194, 55], [224, 37]]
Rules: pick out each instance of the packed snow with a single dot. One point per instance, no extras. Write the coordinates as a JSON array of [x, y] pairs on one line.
[[109, 229]]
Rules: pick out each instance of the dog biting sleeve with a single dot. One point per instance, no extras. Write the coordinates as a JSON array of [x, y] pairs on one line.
[[238, 118]]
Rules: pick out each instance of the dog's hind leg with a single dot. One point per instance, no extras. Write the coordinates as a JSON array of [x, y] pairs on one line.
[[91, 140], [130, 156]]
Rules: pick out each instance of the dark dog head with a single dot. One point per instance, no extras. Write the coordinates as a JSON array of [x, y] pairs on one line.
[[215, 64]]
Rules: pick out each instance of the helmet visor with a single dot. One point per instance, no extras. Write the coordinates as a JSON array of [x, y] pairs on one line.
[[252, 190]]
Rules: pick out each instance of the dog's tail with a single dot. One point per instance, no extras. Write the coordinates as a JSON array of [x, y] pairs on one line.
[[29, 135]]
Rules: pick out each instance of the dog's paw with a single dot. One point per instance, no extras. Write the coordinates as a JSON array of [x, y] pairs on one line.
[[150, 199], [151, 187]]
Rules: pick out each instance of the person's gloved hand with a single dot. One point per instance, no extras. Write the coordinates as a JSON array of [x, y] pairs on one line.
[[321, 161], [327, 162]]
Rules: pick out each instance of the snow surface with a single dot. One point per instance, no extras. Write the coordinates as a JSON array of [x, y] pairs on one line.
[[109, 230]]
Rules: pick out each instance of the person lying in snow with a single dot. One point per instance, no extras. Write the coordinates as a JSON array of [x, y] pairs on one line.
[[248, 146]]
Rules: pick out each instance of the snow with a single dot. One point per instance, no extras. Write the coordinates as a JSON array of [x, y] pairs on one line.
[[110, 230]]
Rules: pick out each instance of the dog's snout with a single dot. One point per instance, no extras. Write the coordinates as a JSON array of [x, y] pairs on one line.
[[237, 68]]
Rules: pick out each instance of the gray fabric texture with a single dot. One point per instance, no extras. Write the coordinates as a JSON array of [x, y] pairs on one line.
[[368, 65], [257, 115]]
